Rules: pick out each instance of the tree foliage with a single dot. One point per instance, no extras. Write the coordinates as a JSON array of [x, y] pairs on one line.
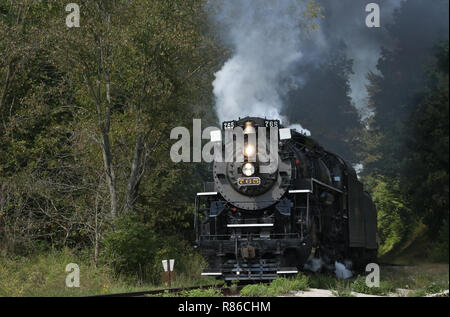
[[324, 103], [406, 145], [425, 169], [86, 114]]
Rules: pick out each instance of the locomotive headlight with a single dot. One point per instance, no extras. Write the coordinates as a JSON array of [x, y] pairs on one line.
[[248, 169], [249, 150]]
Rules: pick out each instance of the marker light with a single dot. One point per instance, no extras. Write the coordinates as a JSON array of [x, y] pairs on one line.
[[248, 169]]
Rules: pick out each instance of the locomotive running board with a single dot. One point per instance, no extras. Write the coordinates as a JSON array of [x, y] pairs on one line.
[[245, 225], [211, 273], [264, 275], [287, 270]]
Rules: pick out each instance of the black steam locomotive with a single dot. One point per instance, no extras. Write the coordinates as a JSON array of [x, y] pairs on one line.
[[255, 226]]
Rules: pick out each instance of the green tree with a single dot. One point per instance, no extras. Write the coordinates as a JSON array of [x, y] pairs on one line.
[[406, 144], [139, 68], [33, 135], [395, 220], [425, 171], [86, 114], [394, 92], [324, 105]]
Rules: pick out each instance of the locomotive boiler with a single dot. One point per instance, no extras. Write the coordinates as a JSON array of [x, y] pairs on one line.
[[253, 223]]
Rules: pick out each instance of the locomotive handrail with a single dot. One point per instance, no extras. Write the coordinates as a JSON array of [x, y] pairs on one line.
[[311, 191], [300, 191], [252, 202], [325, 185], [252, 236]]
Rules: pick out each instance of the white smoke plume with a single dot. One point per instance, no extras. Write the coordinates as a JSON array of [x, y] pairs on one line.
[[313, 264], [341, 271], [265, 36], [345, 22], [267, 43], [300, 129]]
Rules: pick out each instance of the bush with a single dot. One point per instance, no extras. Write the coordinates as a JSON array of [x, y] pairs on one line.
[[135, 250], [209, 292], [343, 289], [439, 251], [277, 287], [284, 285], [132, 249], [234, 287], [256, 290], [322, 281], [418, 293], [393, 213], [45, 275], [359, 286]]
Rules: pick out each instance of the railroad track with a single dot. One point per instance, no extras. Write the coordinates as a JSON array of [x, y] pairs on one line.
[[225, 291]]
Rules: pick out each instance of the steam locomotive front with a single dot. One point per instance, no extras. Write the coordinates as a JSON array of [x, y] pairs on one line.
[[249, 229], [254, 179]]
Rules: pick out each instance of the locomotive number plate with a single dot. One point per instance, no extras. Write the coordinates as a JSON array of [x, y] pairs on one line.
[[249, 181], [272, 123], [228, 125]]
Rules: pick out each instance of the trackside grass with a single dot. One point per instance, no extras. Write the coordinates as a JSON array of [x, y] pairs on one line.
[[45, 275], [277, 287]]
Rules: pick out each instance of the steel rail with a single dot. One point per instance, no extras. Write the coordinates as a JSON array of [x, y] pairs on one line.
[[157, 291]]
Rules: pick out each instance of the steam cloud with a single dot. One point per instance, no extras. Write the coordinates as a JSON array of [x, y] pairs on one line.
[[266, 39], [345, 23], [269, 50], [313, 264], [267, 42], [341, 271]]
